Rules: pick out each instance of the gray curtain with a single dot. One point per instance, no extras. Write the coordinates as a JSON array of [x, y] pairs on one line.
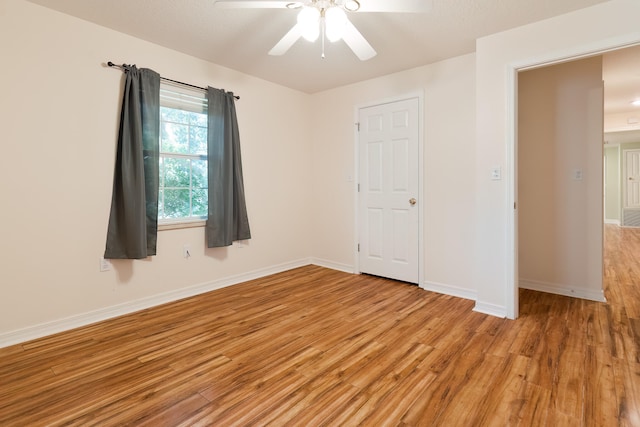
[[133, 222], [227, 220]]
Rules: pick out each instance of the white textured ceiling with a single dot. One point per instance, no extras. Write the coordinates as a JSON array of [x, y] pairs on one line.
[[240, 38]]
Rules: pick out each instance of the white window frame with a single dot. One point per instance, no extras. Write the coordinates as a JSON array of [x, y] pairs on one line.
[[192, 100]]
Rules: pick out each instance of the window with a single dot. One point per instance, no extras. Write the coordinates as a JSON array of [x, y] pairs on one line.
[[182, 190]]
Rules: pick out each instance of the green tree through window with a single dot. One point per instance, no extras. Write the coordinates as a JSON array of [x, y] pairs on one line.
[[183, 158]]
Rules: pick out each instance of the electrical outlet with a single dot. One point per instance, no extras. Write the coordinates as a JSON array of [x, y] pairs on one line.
[[496, 173], [105, 264], [186, 251]]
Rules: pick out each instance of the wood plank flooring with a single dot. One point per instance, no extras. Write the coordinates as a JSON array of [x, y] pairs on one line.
[[313, 347]]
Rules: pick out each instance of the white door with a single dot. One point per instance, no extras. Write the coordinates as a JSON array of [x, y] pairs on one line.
[[389, 198], [632, 178]]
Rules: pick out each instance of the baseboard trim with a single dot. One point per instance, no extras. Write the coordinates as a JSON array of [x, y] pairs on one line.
[[333, 265], [453, 291], [490, 309], [612, 221], [560, 289], [72, 322]]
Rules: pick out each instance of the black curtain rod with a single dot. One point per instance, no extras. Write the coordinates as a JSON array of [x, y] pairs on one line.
[[111, 64]]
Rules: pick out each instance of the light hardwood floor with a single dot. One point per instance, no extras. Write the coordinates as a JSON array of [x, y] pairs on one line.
[[318, 347]]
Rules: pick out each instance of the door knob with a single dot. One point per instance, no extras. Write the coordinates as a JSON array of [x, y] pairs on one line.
[[412, 201]]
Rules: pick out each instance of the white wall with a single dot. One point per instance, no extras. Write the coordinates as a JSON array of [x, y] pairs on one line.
[[589, 30], [60, 107], [559, 214], [448, 199]]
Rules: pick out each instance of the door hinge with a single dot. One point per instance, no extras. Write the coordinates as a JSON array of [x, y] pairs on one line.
[[514, 205], [358, 125], [358, 187], [358, 247]]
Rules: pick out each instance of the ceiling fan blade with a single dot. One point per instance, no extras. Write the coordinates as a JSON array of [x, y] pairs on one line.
[[407, 6], [358, 44], [287, 41], [251, 4]]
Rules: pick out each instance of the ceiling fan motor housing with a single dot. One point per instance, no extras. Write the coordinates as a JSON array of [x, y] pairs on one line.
[[349, 5], [328, 18]]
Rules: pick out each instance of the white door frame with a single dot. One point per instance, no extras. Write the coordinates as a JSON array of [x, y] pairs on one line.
[[579, 52], [421, 201]]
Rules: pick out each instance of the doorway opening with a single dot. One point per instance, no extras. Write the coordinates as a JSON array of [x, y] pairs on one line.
[[585, 183]]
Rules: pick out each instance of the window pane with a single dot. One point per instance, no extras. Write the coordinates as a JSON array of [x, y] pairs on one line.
[[174, 138], [183, 179], [199, 173], [173, 115], [176, 203], [199, 202], [198, 140], [198, 119], [176, 172]]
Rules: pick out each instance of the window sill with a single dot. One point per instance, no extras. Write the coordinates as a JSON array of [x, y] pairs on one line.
[[181, 224]]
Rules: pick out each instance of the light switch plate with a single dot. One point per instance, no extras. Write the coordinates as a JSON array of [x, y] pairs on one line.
[[577, 174], [496, 173]]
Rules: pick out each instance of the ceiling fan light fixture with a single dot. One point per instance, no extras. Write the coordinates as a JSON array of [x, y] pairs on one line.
[[352, 5], [335, 21], [309, 22]]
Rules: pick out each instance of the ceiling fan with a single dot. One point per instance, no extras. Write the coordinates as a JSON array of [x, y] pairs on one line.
[[328, 19]]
